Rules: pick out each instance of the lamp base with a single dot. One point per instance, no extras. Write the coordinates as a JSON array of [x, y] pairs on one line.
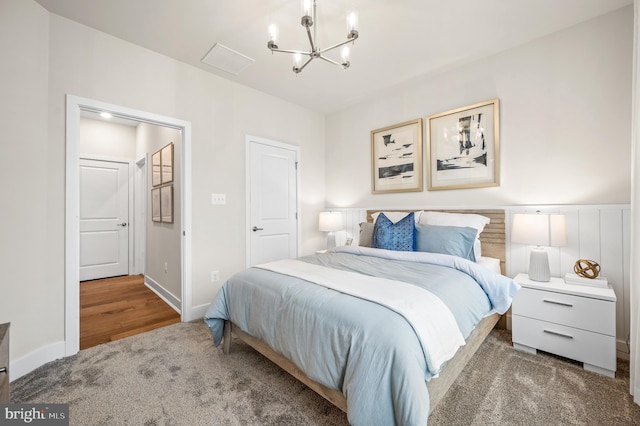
[[539, 265], [331, 240]]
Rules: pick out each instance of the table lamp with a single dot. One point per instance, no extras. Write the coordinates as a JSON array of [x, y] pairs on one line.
[[540, 230], [330, 222]]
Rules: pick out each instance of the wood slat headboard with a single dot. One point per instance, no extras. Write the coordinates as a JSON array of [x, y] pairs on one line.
[[493, 238]]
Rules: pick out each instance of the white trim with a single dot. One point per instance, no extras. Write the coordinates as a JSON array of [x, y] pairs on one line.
[[35, 359], [255, 139], [162, 293], [139, 215], [200, 310], [72, 205]]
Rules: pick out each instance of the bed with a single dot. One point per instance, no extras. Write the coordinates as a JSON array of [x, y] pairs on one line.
[[371, 354]]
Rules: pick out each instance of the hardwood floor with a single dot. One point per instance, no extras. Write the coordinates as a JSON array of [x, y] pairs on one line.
[[114, 308]]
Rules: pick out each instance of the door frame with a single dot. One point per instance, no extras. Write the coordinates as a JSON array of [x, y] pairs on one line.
[[139, 215], [249, 139], [74, 105], [132, 225]]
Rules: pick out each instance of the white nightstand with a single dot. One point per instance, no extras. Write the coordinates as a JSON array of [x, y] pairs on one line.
[[572, 321]]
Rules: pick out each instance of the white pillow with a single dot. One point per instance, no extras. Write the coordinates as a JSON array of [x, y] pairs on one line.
[[490, 263], [457, 219], [396, 217]]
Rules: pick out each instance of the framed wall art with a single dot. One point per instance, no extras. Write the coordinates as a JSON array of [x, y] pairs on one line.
[[396, 158], [155, 205], [167, 163], [463, 147], [156, 178], [166, 204]]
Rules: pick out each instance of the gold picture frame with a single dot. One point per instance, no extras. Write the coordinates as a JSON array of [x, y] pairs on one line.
[[463, 147], [167, 163], [155, 205], [156, 177], [396, 158], [166, 204]]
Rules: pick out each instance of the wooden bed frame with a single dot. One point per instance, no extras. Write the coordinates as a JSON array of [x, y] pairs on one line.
[[493, 245]]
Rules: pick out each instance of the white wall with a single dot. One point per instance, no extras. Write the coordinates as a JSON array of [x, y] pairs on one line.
[[31, 247], [564, 122], [163, 239], [107, 139], [51, 57]]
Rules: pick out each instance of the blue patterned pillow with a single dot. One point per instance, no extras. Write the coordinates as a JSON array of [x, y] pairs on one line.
[[399, 236]]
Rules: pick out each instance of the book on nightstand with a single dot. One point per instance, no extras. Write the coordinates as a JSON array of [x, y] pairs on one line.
[[571, 278]]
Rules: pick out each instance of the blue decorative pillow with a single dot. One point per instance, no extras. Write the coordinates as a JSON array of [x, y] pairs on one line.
[[454, 240], [399, 236]]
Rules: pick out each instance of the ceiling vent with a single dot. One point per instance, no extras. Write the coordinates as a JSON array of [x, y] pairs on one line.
[[226, 59]]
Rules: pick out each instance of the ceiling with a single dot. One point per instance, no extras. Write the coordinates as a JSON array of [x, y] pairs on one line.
[[399, 40]]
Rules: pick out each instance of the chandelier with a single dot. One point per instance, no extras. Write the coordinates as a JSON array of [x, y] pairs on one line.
[[307, 21]]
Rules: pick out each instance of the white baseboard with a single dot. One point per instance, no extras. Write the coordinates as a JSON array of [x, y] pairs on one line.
[[35, 359], [162, 293], [199, 311], [622, 350]]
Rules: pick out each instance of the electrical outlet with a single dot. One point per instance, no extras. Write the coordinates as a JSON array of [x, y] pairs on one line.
[[166, 267], [218, 199], [215, 276]]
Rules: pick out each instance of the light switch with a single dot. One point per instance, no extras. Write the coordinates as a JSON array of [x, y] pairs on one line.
[[218, 199]]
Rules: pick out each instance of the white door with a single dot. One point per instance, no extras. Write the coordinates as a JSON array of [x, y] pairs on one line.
[[273, 201], [104, 219]]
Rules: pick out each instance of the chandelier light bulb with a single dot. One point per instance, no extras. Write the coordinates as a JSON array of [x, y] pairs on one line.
[[352, 22], [297, 59], [306, 7], [273, 33], [345, 54]]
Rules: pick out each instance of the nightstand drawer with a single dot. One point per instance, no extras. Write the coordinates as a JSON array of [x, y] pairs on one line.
[[565, 309], [591, 348]]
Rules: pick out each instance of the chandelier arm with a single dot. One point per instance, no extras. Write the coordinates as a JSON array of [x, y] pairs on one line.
[[291, 51], [313, 46], [326, 49], [305, 64], [331, 61]]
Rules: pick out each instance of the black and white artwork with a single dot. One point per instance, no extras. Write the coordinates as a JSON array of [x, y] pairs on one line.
[[462, 147], [396, 158]]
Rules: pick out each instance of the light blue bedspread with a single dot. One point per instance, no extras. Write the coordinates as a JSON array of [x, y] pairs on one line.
[[368, 352]]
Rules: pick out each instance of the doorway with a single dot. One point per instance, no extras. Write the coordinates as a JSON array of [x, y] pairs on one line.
[[75, 105]]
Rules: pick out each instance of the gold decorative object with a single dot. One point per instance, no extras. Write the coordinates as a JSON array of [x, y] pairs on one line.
[[587, 268]]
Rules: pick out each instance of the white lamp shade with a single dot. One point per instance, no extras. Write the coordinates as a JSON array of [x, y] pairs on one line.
[[330, 221], [539, 229]]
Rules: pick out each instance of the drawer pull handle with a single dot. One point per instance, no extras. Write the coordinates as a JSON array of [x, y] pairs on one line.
[[3, 369], [555, 333], [558, 303]]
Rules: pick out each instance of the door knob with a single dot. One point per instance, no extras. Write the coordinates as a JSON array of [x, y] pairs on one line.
[[255, 228], [122, 224]]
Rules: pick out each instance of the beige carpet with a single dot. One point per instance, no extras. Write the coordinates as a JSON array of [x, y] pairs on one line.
[[174, 376]]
